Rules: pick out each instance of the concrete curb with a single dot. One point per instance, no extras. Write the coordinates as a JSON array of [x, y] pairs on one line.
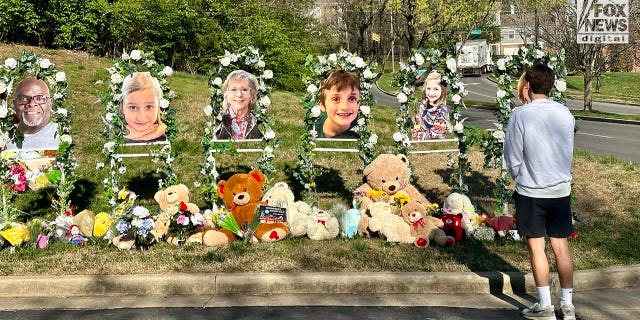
[[361, 283]]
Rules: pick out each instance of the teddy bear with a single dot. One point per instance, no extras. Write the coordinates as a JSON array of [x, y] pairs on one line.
[[241, 195], [457, 203], [453, 226], [386, 176], [389, 225], [321, 225], [169, 201], [280, 195], [424, 227]]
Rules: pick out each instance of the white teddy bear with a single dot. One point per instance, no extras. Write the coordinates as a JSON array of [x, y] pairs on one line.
[[390, 226], [280, 195], [321, 225], [459, 203]]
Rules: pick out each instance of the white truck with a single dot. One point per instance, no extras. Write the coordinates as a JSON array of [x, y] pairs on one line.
[[474, 57]]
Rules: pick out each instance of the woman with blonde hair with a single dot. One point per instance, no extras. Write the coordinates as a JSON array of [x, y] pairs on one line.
[[140, 105], [240, 94]]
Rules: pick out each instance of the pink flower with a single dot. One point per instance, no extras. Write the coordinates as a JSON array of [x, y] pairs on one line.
[[182, 220], [18, 178]]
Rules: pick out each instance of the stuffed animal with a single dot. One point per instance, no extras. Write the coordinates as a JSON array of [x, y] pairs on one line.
[[389, 225], [75, 237], [242, 194], [101, 224], [280, 195], [85, 221], [169, 201], [321, 225], [457, 203], [424, 227], [349, 222], [453, 226]]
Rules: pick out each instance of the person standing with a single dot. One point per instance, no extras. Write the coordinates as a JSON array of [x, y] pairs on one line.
[[538, 152]]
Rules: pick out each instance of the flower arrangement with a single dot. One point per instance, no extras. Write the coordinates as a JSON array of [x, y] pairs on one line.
[[321, 67], [115, 129], [507, 69], [251, 60], [406, 79], [11, 72], [227, 221], [184, 222], [136, 223]]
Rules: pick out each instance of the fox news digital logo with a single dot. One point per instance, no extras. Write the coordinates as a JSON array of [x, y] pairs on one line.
[[603, 21]]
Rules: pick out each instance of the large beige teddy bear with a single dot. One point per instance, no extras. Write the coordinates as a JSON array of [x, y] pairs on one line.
[[389, 225], [280, 195], [169, 201], [321, 225], [424, 227], [457, 203]]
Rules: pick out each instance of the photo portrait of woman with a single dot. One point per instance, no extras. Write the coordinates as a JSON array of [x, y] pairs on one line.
[[140, 105], [240, 94]]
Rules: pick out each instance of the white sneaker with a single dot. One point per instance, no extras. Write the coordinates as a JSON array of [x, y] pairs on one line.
[[536, 312], [568, 311]]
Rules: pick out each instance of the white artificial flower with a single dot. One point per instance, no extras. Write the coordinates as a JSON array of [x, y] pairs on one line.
[[99, 165], [225, 61], [136, 55], [373, 139], [122, 170], [125, 56], [360, 122], [501, 94], [418, 58], [61, 76], [167, 71], [10, 63], [217, 81], [456, 99], [268, 149], [366, 110], [459, 127], [109, 116], [538, 54], [316, 111], [4, 139], [451, 64], [397, 136], [62, 112], [459, 85], [312, 88], [269, 135], [499, 135], [527, 62], [359, 62], [116, 78], [333, 57], [149, 63], [561, 85], [402, 98], [66, 138], [265, 101], [4, 110], [268, 74], [45, 63], [407, 90], [3, 87], [313, 133], [57, 96], [260, 64], [367, 74], [502, 64], [208, 110], [110, 146], [403, 67], [164, 103], [197, 219]]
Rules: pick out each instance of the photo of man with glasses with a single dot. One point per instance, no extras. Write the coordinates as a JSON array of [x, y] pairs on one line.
[[32, 104]]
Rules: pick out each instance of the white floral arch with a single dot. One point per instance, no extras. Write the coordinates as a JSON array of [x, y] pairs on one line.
[[406, 78], [115, 129], [321, 66], [251, 60], [61, 172], [507, 71]]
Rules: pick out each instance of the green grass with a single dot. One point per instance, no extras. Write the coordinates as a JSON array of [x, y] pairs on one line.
[[616, 87], [606, 191]]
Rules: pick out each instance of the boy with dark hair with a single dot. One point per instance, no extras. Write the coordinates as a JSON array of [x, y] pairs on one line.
[[538, 151]]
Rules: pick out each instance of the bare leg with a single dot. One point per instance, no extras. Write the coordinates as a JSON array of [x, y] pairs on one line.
[[539, 262], [564, 263]]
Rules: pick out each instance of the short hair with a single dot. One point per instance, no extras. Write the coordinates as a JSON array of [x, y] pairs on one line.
[[139, 81], [241, 75], [340, 79], [29, 81], [541, 79], [437, 77]]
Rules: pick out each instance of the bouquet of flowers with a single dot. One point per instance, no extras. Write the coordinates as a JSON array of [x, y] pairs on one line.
[[227, 221], [184, 223], [136, 223]]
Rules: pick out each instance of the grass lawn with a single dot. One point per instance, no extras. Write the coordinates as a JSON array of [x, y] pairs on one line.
[[606, 194]]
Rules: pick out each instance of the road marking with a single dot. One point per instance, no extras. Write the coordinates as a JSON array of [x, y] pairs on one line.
[[595, 135], [483, 95], [472, 83]]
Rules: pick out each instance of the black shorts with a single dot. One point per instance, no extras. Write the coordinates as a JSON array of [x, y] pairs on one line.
[[537, 217]]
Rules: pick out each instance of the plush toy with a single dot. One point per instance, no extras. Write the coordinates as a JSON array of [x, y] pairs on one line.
[[169, 201], [101, 224], [321, 225], [62, 226], [386, 176], [350, 220], [453, 226], [242, 195], [280, 195], [123, 242], [389, 225], [75, 237], [85, 221], [424, 227], [457, 203]]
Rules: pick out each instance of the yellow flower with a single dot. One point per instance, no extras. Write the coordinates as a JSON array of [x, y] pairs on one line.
[[122, 194], [312, 184], [401, 199], [375, 193]]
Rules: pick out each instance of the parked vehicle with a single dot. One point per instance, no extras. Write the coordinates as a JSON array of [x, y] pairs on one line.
[[474, 57]]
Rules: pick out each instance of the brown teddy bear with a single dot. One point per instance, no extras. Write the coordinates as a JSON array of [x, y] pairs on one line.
[[169, 201], [424, 227], [241, 195]]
